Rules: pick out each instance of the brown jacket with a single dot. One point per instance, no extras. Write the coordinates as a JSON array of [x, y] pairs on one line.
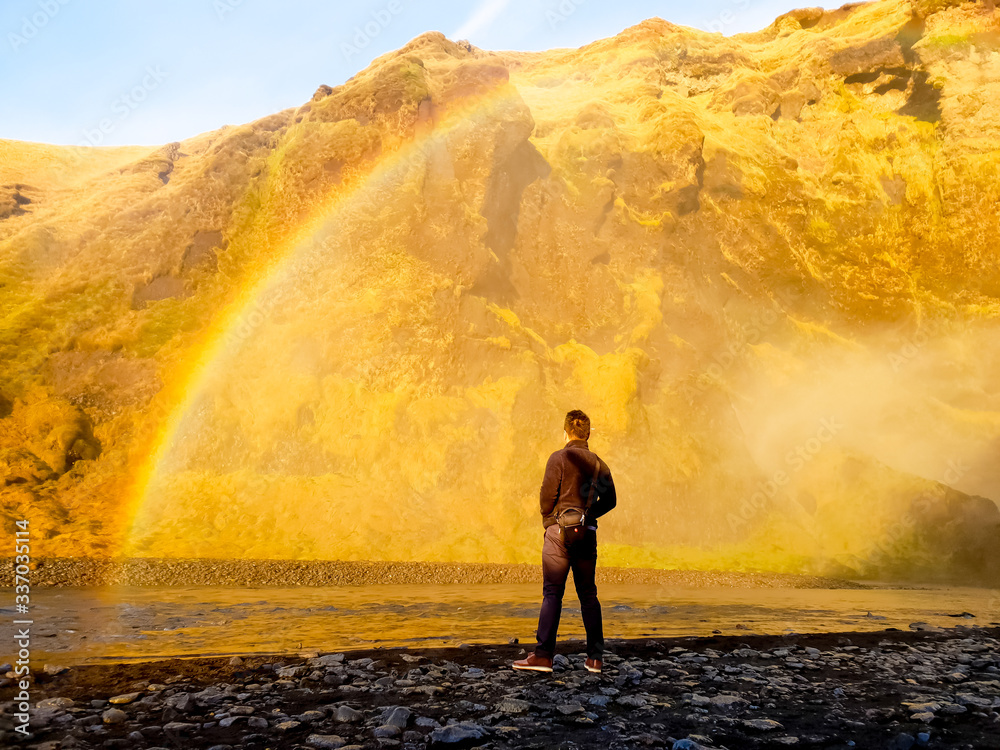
[[567, 481]]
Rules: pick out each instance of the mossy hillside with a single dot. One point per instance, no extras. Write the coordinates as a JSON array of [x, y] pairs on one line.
[[708, 243]]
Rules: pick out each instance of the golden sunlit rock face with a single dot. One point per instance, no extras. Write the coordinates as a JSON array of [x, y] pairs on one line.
[[765, 265]]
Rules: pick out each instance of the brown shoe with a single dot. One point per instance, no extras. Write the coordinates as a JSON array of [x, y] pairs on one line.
[[593, 665], [534, 663]]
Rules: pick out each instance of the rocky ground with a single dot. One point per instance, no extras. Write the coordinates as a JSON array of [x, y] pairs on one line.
[[83, 571], [926, 687]]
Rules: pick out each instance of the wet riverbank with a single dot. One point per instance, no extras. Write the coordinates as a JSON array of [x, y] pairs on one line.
[[925, 687], [140, 623]]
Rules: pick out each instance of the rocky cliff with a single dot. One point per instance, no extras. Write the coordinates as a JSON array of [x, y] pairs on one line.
[[766, 266]]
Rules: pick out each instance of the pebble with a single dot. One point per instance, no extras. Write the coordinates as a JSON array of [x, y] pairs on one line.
[[57, 702], [453, 734], [631, 701], [346, 714], [114, 716], [515, 706], [968, 699], [397, 716], [123, 698], [326, 741], [728, 703], [689, 744], [762, 725]]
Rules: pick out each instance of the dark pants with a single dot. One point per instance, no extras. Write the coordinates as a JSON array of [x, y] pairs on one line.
[[557, 560]]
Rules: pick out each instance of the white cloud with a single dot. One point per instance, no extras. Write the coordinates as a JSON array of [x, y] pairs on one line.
[[481, 17]]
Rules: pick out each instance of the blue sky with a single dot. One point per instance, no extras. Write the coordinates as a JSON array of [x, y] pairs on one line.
[[114, 72]]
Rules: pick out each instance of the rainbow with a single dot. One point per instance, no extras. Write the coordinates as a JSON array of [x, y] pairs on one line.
[[219, 341]]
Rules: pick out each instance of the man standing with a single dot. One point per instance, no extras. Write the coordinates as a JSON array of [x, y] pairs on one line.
[[573, 476]]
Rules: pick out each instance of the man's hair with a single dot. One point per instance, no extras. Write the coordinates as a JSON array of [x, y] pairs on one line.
[[577, 425]]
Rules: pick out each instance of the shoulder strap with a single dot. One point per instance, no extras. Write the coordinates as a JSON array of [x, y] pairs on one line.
[[593, 481]]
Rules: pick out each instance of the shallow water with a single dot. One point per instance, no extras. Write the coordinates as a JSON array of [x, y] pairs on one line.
[[91, 625]]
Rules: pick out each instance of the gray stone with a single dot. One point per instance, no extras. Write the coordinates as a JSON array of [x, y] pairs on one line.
[[396, 716], [236, 662], [181, 701], [55, 703], [728, 703], [762, 725], [286, 726], [968, 699], [631, 701], [114, 716], [346, 714], [570, 708], [206, 695], [689, 744], [513, 706], [452, 734], [326, 741], [54, 669], [387, 730], [257, 722], [953, 708]]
